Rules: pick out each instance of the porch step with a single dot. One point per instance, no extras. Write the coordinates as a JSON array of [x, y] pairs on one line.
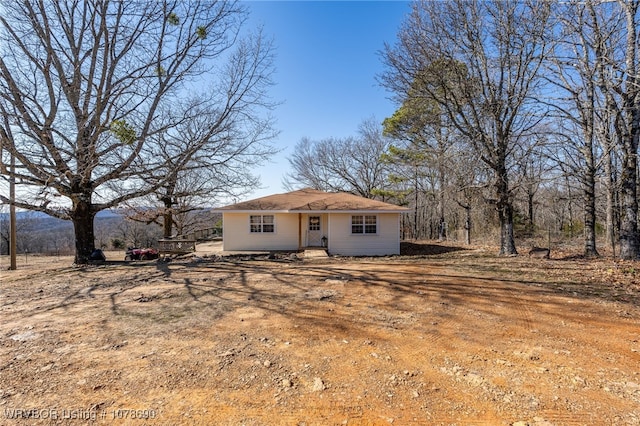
[[315, 252]]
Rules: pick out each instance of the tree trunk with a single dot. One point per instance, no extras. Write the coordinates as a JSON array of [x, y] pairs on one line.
[[507, 243], [505, 215], [589, 185], [415, 214], [570, 206], [610, 210], [590, 215], [629, 244], [467, 225], [531, 224], [13, 236], [442, 176], [82, 217], [167, 216], [629, 238], [442, 229]]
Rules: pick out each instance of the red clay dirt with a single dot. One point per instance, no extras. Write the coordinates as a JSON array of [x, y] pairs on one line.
[[442, 336]]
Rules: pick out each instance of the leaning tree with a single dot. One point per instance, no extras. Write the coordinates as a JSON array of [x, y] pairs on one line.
[[479, 61], [87, 89]]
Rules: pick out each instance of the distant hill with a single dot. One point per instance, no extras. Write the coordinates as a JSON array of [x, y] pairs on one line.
[[37, 221], [34, 214], [40, 233]]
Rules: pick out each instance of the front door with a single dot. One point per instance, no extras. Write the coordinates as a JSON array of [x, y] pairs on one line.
[[314, 232]]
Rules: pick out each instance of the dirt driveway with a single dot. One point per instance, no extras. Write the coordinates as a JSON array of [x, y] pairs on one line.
[[458, 337]]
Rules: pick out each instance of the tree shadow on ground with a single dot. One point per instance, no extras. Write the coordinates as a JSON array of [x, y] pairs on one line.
[[408, 248]]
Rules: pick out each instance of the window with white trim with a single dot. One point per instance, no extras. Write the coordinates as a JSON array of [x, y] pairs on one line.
[[364, 224], [262, 223]]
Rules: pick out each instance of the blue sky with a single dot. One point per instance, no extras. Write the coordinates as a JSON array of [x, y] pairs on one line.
[[327, 59]]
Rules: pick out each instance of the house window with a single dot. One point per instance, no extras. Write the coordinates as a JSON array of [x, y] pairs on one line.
[[314, 223], [364, 224], [262, 223]]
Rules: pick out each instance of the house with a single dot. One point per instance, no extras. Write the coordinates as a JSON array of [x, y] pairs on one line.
[[345, 224]]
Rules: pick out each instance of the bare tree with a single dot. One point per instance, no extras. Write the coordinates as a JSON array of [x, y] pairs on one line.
[[91, 87], [530, 174], [480, 62], [136, 234], [619, 81], [470, 181], [221, 168], [589, 67], [575, 69], [333, 164]]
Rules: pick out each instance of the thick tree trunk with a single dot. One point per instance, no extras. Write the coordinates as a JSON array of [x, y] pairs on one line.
[[629, 238], [507, 242], [82, 217], [167, 216], [505, 215], [629, 244], [167, 224], [442, 230]]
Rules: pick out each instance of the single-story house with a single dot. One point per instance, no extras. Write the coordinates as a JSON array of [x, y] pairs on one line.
[[344, 224]]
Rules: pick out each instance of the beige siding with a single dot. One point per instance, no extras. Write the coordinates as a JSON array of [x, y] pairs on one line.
[[343, 242], [237, 237]]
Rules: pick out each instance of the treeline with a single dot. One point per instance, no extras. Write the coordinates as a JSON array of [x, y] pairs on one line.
[[515, 119]]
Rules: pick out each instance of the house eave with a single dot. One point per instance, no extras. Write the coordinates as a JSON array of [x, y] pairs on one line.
[[347, 211], [249, 211], [311, 211]]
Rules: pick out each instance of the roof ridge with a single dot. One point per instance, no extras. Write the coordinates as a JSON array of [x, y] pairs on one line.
[[309, 199]]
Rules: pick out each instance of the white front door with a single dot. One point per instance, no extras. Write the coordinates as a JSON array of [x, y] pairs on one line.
[[314, 231]]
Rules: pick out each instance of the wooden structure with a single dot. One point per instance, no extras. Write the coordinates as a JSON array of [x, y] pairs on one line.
[[204, 234], [176, 246], [185, 244]]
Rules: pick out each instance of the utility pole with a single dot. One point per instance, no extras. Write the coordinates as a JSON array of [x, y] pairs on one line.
[[13, 245]]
